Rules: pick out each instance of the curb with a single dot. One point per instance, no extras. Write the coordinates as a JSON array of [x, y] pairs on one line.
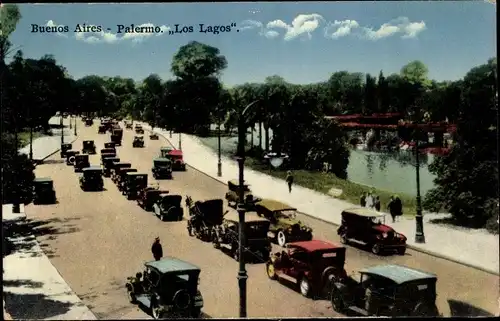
[[413, 247]]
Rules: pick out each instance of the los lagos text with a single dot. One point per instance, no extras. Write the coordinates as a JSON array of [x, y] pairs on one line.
[[202, 28]]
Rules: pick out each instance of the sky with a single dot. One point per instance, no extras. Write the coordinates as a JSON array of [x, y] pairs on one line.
[[304, 42]]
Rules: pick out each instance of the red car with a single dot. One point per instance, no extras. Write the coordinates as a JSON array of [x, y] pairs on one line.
[[175, 156], [366, 227], [311, 265]]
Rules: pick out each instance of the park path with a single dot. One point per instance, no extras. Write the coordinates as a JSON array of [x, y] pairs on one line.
[[475, 248]]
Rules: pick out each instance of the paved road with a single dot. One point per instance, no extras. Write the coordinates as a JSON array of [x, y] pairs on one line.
[[107, 238]]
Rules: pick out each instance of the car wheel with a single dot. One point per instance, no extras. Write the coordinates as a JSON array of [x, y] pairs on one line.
[[376, 249], [156, 311], [271, 272], [425, 310], [281, 238], [402, 250], [305, 287], [337, 301], [131, 296], [343, 238]]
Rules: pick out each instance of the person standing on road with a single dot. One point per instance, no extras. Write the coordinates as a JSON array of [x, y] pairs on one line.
[[157, 249], [376, 204], [395, 207], [289, 180], [362, 200], [369, 200]]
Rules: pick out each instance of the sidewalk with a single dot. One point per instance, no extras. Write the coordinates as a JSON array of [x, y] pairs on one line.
[[46, 146], [476, 248], [32, 287]]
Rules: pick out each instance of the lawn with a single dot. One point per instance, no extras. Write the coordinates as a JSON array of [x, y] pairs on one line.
[[323, 182], [24, 137]]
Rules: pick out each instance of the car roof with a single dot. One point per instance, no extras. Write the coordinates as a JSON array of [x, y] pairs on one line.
[[136, 174], [122, 163], [138, 136], [249, 217], [82, 155], [274, 205], [92, 168], [42, 179], [171, 264], [237, 182], [88, 141], [398, 273], [175, 152], [166, 147], [161, 159], [314, 245], [363, 211]]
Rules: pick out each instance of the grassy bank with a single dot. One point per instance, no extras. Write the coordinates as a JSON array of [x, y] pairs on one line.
[[24, 137], [323, 182]]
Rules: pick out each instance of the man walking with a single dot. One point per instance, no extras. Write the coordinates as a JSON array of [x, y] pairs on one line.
[[369, 200], [395, 207], [289, 180], [362, 200], [157, 249]]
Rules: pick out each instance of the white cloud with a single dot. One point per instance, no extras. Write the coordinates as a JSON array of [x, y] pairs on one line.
[[111, 38], [339, 29], [401, 25], [51, 23], [271, 34], [303, 24]]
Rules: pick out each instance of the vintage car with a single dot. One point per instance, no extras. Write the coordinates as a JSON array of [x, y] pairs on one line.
[[115, 169], [257, 245], [138, 141], [204, 216], [106, 156], [110, 145], [232, 196], [108, 150], [70, 157], [162, 168], [117, 136], [43, 191], [139, 129], [164, 151], [88, 147], [168, 287], [102, 129], [107, 165], [387, 290], [81, 161], [89, 122], [168, 207], [65, 148], [91, 180], [176, 157], [366, 227], [285, 227], [154, 136], [134, 183], [311, 265], [121, 177], [128, 125], [148, 197]]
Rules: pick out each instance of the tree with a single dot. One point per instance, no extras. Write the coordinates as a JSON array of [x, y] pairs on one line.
[[370, 97], [467, 178], [197, 60]]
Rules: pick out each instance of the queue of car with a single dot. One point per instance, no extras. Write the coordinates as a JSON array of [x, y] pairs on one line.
[[316, 267]]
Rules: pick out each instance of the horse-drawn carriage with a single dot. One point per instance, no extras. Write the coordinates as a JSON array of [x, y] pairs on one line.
[[204, 217]]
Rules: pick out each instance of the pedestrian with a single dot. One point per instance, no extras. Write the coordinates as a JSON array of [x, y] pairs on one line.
[[395, 207], [362, 200], [369, 200], [376, 204], [157, 249], [289, 180]]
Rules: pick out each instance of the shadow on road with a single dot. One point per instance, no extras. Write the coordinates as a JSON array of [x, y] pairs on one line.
[[463, 309], [22, 283], [34, 306], [53, 161]]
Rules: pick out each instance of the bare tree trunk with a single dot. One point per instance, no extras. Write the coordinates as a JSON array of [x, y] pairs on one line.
[[260, 134], [251, 135], [266, 132]]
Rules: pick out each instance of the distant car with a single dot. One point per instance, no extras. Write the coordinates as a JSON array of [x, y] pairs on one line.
[[70, 157], [43, 191], [88, 147], [154, 136], [285, 227], [168, 207], [176, 157], [81, 161], [312, 265], [167, 286], [133, 184], [138, 141], [148, 197], [164, 151], [91, 180], [65, 148], [387, 290], [366, 227], [139, 129], [162, 168]]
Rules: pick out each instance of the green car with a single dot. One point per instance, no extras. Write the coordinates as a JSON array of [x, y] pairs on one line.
[[285, 227]]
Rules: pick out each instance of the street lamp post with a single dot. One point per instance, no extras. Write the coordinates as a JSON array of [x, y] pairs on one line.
[[16, 207], [170, 132], [62, 128], [180, 141], [419, 233], [219, 162], [242, 273], [75, 127], [31, 142]]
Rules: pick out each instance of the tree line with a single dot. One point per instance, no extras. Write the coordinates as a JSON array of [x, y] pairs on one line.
[[467, 178]]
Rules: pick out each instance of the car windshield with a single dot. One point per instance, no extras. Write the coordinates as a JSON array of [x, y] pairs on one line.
[[162, 163], [288, 214]]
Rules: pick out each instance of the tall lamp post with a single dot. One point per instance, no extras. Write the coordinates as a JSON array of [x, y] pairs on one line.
[[219, 161], [242, 273], [62, 128], [419, 233], [180, 141], [75, 127]]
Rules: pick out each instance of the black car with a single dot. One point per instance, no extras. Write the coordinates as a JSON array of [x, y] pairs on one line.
[[43, 191], [162, 168], [88, 147], [133, 184], [81, 162], [91, 180], [167, 287], [138, 141]]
